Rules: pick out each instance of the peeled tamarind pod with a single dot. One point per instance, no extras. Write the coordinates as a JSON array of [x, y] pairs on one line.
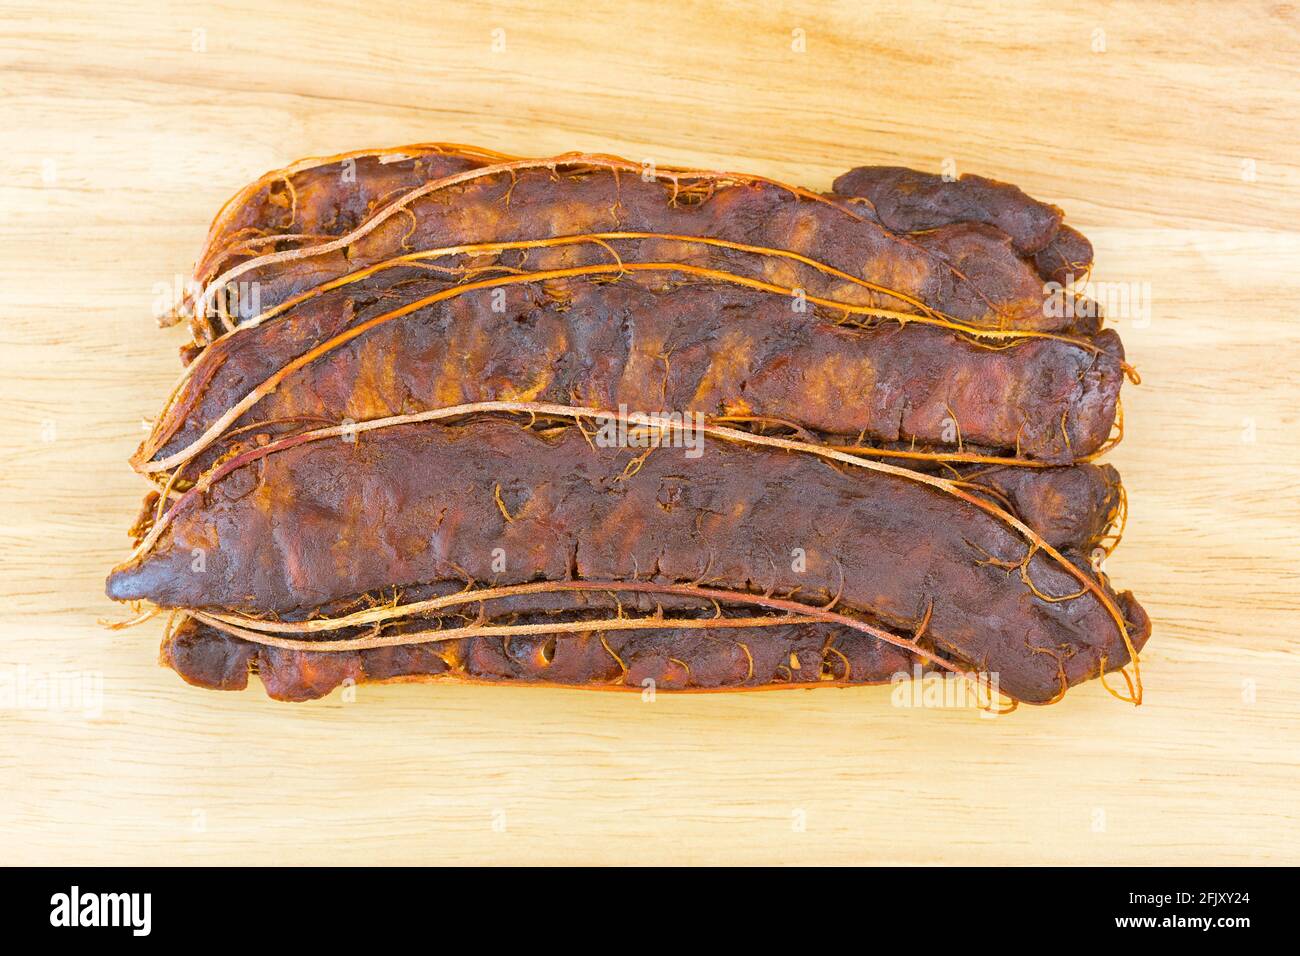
[[734, 222], [646, 341], [908, 200], [749, 526], [796, 655], [1075, 508]]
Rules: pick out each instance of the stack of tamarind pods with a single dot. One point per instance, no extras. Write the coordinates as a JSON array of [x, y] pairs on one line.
[[451, 415]]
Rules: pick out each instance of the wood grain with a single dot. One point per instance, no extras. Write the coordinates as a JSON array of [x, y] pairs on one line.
[[1173, 148]]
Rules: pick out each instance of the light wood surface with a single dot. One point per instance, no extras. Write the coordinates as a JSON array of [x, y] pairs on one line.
[[1173, 147]]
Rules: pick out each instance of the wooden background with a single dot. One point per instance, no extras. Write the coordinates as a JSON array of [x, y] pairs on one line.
[[1167, 133]]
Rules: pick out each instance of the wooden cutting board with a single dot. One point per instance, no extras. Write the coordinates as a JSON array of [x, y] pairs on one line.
[[1168, 135]]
